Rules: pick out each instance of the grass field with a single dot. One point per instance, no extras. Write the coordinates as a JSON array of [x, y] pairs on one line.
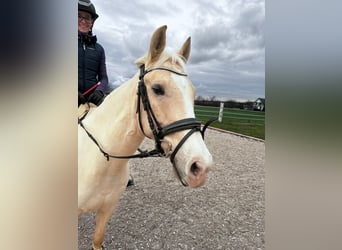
[[251, 123]]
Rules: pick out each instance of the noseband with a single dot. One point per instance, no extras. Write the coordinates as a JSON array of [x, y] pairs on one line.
[[158, 132]]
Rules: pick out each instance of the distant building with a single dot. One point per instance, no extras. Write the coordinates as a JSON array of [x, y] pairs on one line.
[[259, 104]]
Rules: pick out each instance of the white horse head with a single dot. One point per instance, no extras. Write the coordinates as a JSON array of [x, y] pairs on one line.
[[171, 97]]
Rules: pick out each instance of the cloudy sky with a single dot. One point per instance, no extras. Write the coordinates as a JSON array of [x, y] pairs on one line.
[[227, 57]]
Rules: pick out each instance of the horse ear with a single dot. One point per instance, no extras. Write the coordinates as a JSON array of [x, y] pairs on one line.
[[157, 44], [184, 52]]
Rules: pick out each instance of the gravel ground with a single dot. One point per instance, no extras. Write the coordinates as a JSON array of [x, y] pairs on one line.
[[228, 212]]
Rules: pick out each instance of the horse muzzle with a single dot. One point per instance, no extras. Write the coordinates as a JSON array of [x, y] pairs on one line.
[[197, 174], [192, 162]]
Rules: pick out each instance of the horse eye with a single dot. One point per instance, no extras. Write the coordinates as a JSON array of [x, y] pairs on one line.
[[158, 89]]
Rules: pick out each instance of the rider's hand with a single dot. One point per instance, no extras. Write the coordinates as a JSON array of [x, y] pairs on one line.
[[96, 97]]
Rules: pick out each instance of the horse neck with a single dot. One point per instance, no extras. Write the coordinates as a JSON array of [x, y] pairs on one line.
[[115, 121]]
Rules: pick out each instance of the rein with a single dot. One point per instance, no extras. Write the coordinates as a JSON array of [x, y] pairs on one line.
[[158, 132]]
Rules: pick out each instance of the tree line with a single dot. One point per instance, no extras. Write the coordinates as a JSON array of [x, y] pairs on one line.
[[211, 101]]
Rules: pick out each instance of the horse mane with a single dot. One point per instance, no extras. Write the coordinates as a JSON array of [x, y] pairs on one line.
[[165, 56]]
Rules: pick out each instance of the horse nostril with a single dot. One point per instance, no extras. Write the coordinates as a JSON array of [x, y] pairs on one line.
[[195, 169]]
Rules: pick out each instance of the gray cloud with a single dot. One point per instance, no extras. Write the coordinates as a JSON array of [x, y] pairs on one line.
[[228, 48]]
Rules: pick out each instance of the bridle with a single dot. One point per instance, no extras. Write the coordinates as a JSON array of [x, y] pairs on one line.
[[158, 132]]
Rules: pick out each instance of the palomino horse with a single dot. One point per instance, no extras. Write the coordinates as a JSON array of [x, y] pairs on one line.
[[157, 103]]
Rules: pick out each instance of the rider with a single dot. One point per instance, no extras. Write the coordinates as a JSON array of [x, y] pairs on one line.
[[91, 57], [91, 60]]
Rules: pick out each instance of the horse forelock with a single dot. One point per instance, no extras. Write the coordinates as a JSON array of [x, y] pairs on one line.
[[174, 59]]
